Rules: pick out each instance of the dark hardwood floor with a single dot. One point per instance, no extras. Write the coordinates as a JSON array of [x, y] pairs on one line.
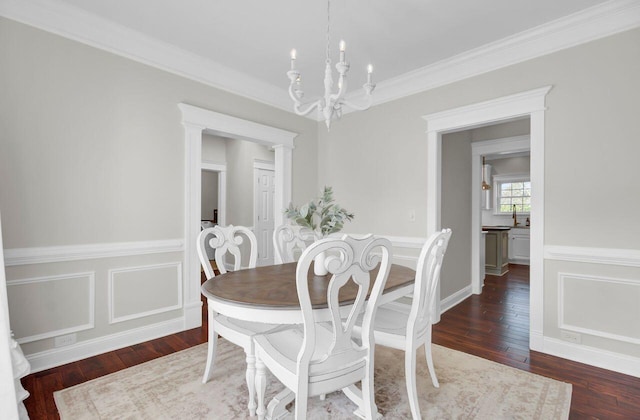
[[494, 326]]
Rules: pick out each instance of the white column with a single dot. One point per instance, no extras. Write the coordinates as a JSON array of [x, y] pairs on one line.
[[192, 186], [536, 267]]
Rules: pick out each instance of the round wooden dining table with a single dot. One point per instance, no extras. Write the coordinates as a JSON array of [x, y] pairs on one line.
[[268, 293]]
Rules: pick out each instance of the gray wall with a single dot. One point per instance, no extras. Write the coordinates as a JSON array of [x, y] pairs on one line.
[[456, 210], [92, 152], [590, 158]]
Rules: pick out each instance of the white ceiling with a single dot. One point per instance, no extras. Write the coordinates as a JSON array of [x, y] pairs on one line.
[[244, 45]]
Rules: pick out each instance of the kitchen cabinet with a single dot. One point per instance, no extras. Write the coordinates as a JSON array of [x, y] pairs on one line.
[[497, 250], [519, 246]]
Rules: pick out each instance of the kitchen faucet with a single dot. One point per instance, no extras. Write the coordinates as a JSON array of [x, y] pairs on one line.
[[515, 217]]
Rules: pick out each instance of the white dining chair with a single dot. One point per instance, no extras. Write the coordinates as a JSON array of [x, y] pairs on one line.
[[405, 324], [321, 356], [290, 240], [226, 240]]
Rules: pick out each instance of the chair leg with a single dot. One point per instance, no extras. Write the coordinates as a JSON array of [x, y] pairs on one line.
[[410, 377], [301, 407], [261, 385], [427, 351], [251, 382], [211, 347], [369, 408]]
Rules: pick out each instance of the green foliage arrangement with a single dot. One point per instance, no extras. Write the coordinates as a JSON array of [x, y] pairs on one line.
[[322, 215]]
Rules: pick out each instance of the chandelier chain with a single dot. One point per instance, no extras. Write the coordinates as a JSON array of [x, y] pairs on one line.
[[328, 60]]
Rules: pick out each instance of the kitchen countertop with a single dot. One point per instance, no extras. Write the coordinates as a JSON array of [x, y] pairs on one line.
[[496, 227]]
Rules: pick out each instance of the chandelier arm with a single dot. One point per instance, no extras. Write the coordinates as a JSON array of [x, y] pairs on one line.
[[363, 107], [297, 107]]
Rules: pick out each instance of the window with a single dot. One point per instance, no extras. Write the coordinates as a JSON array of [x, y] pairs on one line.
[[512, 190]]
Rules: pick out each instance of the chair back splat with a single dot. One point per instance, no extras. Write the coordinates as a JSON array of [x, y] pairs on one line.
[[226, 240], [323, 356], [349, 259], [289, 241]]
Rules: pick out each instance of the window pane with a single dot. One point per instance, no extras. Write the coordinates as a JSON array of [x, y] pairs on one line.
[[510, 193]]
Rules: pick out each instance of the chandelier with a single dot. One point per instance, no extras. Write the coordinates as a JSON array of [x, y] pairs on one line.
[[330, 105]]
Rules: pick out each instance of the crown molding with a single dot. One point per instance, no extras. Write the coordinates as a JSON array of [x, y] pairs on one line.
[[76, 24], [590, 24], [593, 23]]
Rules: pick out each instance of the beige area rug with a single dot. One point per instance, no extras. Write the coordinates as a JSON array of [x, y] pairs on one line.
[[170, 388]]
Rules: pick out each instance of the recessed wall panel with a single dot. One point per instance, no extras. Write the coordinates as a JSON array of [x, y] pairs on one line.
[[600, 306], [57, 305], [135, 292]]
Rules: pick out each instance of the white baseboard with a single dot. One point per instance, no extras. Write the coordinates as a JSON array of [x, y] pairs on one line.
[[451, 301], [81, 350], [616, 362]]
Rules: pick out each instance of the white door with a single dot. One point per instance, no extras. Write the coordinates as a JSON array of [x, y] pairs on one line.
[[264, 225]]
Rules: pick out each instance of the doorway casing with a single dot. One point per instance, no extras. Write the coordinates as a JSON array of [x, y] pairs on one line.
[[532, 104], [195, 121]]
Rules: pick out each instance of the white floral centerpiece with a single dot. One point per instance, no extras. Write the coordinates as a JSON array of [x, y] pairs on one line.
[[323, 216]]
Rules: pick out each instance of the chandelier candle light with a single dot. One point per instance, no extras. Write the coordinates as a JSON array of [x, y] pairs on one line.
[[330, 105]]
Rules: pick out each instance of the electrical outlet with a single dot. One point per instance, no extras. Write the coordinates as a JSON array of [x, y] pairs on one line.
[[572, 337], [65, 340]]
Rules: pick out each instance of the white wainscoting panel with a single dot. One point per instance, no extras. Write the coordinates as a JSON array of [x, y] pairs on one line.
[[136, 292], [600, 306], [58, 305]]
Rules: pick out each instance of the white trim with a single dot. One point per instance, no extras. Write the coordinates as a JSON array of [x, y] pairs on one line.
[[585, 26], [81, 350], [71, 22], [111, 285], [609, 256], [451, 301], [597, 333], [616, 362], [90, 276], [513, 145], [76, 24], [53, 254], [195, 121], [530, 103], [264, 164]]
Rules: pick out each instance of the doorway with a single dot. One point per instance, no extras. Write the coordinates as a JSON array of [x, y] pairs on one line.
[[531, 104], [196, 121]]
